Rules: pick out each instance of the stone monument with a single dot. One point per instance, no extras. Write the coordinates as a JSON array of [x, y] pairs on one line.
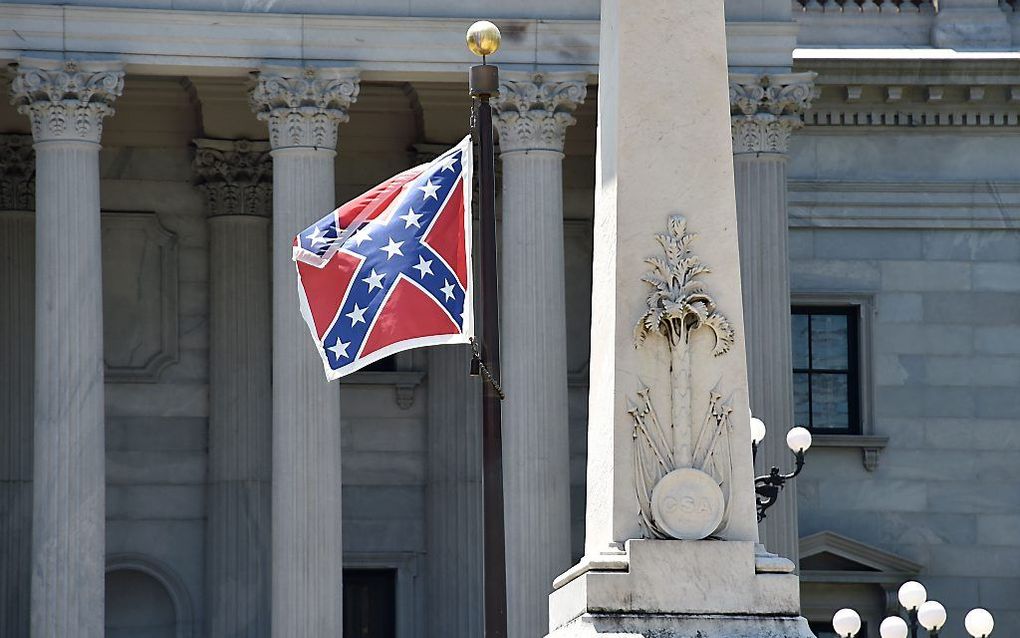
[[671, 534]]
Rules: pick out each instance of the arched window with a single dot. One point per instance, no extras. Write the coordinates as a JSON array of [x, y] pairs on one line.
[[145, 599]]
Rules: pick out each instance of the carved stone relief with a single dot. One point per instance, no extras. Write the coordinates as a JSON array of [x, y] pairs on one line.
[[681, 472], [17, 173]]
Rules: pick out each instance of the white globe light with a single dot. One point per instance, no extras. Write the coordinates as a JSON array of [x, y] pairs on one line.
[[931, 615], [979, 622], [798, 439], [893, 627], [846, 622], [757, 430], [912, 595]]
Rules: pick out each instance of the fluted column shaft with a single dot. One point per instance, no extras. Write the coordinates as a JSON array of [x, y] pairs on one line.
[[236, 179], [453, 496], [66, 102], [533, 112], [304, 109], [766, 110], [17, 326]]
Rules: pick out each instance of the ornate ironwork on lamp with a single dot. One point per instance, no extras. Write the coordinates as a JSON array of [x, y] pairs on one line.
[[768, 487]]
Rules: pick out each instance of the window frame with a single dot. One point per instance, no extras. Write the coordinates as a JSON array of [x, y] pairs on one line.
[[853, 310]]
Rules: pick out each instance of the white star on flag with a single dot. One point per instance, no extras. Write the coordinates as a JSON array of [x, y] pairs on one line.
[[374, 280], [411, 218], [392, 248], [360, 236], [447, 163], [339, 349], [447, 290], [357, 315], [430, 190], [424, 266], [316, 236]]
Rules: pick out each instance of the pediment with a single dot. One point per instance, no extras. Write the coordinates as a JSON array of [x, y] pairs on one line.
[[832, 553]]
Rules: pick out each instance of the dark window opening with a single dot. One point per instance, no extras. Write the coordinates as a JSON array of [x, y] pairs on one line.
[[826, 382], [370, 603], [386, 364]]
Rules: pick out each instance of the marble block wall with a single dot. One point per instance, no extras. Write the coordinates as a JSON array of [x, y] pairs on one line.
[[932, 249]]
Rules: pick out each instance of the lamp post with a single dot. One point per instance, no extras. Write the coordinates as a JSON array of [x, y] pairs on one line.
[[929, 614], [767, 487], [483, 39]]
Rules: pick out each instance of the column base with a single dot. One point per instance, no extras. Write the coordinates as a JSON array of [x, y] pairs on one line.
[[667, 588], [683, 626]]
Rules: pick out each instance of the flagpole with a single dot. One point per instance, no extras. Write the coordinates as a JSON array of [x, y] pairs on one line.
[[483, 39]]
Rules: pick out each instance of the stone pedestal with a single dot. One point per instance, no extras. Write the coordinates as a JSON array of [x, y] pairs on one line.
[[236, 177], [17, 326], [304, 108], [765, 110], [67, 102], [671, 528], [533, 113], [453, 496], [973, 25]]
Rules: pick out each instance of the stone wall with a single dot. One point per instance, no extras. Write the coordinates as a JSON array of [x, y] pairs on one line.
[[921, 226]]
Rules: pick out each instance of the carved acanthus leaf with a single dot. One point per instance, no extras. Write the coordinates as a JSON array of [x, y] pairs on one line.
[[766, 109], [66, 99], [235, 175], [17, 173], [304, 107], [534, 110]]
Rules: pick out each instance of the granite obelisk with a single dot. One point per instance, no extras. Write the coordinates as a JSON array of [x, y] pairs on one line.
[[670, 522]]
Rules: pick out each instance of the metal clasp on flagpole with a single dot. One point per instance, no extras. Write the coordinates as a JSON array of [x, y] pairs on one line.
[[478, 367]]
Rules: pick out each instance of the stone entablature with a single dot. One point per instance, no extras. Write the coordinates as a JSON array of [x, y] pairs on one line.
[[916, 94], [766, 109], [235, 175], [17, 173], [304, 106], [66, 99], [533, 110]]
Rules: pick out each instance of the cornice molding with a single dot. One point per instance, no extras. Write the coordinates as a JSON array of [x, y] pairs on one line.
[[766, 109], [66, 99], [533, 110], [304, 106], [17, 173], [235, 175]]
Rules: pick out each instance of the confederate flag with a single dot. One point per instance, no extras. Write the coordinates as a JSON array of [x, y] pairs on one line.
[[391, 269]]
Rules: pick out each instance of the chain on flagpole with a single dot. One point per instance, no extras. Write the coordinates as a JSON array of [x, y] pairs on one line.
[[484, 370]]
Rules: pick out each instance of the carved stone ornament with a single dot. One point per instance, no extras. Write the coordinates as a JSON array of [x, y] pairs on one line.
[[17, 173], [679, 471], [236, 176], [66, 99], [533, 110], [766, 109], [304, 106]]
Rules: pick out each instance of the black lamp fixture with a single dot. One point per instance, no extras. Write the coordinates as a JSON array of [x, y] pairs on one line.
[[768, 487]]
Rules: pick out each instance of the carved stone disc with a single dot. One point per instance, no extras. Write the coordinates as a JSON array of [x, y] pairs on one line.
[[687, 504]]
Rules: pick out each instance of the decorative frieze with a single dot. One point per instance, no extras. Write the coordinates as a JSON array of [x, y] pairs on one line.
[[236, 176], [533, 110], [766, 109], [17, 173], [66, 99], [304, 106]]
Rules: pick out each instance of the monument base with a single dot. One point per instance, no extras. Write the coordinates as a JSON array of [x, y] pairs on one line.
[[681, 589], [683, 626]]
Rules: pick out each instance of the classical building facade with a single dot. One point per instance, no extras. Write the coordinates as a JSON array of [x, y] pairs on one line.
[[173, 463]]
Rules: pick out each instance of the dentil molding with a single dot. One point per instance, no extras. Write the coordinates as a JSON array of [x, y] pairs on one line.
[[766, 109], [66, 99], [533, 110], [304, 106], [235, 175]]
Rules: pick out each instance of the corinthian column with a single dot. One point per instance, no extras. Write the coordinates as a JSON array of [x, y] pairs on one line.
[[533, 113], [67, 102], [17, 299], [304, 108], [236, 177], [765, 112]]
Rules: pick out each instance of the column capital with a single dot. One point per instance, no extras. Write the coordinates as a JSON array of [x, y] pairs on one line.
[[304, 106], [17, 173], [533, 110], [235, 175], [766, 109], [66, 99]]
